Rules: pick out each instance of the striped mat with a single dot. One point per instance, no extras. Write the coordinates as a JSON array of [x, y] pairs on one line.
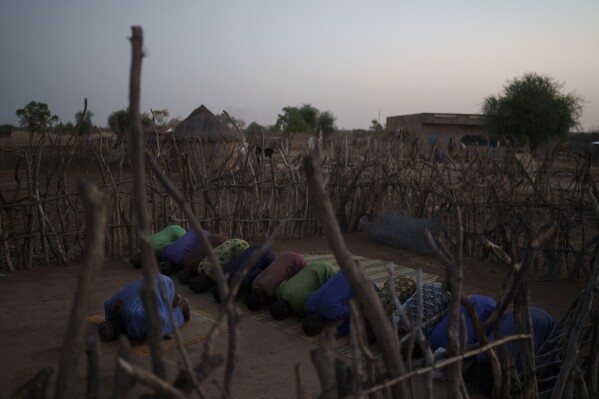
[[202, 321], [377, 271]]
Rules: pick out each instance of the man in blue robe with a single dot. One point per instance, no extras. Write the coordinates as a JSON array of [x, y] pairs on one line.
[[329, 302], [542, 326], [483, 306], [125, 312]]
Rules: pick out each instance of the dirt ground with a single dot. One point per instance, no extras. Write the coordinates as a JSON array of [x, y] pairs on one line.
[[35, 307]]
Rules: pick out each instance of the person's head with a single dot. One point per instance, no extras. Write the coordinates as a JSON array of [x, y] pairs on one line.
[[280, 309], [254, 301], [135, 260], [107, 331], [184, 275], [200, 283], [216, 295], [167, 267], [313, 325]]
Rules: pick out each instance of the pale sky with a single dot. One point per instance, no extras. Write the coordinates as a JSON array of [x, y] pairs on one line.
[[357, 59]]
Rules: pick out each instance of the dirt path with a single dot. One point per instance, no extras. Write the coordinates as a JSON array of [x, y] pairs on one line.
[[36, 304]]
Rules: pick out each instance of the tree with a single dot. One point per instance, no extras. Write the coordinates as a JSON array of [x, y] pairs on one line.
[[310, 114], [6, 130], [533, 110], [292, 121], [225, 119], [160, 117], [174, 122], [375, 126], [86, 123], [36, 116], [254, 129], [119, 122], [306, 119], [326, 122]]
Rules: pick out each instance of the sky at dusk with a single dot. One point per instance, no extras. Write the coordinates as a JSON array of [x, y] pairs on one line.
[[361, 60]]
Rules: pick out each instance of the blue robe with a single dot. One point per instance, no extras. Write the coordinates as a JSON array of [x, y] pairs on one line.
[[133, 314], [483, 307], [179, 249], [230, 269], [331, 301], [542, 325]]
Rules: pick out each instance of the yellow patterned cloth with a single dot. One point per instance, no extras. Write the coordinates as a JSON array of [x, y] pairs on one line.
[[405, 286], [224, 253]]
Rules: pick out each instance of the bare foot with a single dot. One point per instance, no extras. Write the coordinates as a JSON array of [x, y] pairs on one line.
[[177, 300], [185, 308]]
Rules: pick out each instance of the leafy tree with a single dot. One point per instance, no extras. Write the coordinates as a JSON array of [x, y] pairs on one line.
[[292, 121], [160, 117], [310, 114], [69, 127], [375, 126], [305, 119], [86, 123], [174, 122], [533, 109], [36, 116], [6, 130], [326, 122], [254, 129], [225, 119], [120, 123]]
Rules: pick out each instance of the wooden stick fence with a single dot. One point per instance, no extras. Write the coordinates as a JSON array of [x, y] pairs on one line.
[[244, 195]]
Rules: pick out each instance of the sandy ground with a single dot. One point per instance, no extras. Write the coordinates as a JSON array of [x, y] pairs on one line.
[[36, 304]]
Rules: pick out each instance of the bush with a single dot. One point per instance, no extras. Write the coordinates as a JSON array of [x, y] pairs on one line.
[[6, 130]]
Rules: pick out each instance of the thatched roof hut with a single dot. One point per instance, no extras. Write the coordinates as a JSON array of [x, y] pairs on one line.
[[203, 124]]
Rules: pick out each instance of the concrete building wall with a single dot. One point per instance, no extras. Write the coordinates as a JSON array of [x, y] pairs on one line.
[[439, 128]]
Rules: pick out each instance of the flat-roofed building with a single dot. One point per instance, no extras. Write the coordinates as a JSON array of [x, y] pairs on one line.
[[444, 130]]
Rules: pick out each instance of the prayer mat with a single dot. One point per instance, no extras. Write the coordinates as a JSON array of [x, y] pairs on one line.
[[377, 271], [376, 268], [195, 330]]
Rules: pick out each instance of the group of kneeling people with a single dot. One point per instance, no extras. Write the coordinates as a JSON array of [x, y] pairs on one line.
[[314, 291]]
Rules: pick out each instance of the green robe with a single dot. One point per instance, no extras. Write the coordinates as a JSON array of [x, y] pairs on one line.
[[298, 288], [165, 237]]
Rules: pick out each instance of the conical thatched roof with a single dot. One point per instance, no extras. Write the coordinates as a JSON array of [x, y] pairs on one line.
[[202, 123]]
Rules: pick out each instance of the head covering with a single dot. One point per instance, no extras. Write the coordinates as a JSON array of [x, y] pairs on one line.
[[285, 266], [404, 286], [435, 301], [224, 253], [165, 237], [177, 251], [197, 254]]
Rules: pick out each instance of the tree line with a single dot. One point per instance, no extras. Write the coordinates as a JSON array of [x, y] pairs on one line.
[[532, 110]]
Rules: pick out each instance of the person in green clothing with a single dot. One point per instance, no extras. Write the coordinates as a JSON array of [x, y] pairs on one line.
[[160, 241], [293, 293]]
